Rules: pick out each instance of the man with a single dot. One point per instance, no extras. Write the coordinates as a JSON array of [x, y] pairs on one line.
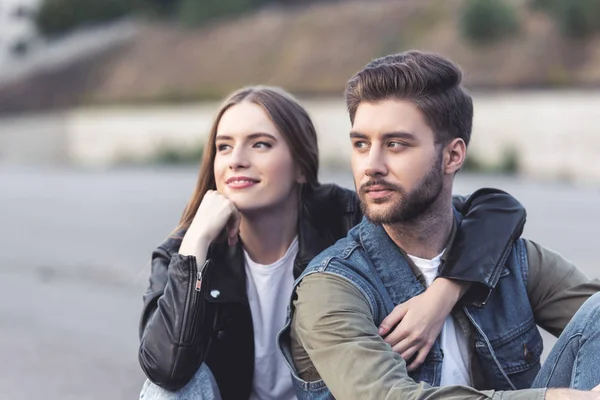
[[411, 124]]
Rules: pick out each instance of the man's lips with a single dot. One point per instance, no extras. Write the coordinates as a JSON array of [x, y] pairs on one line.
[[377, 191]]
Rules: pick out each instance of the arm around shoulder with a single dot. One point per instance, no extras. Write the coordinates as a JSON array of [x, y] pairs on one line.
[[492, 221], [334, 325]]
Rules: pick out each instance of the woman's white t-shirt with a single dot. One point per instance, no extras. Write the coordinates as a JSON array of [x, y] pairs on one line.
[[269, 289]]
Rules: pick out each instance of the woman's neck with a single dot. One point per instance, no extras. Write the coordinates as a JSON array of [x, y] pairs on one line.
[[268, 235]]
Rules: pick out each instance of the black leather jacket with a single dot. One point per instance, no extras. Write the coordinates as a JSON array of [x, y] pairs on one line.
[[182, 327]]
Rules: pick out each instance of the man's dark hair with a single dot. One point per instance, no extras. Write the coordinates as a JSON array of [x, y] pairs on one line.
[[429, 80]]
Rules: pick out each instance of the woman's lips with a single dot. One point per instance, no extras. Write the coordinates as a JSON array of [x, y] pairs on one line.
[[241, 182]]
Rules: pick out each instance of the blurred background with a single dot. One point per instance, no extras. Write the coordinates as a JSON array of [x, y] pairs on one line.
[[105, 104]]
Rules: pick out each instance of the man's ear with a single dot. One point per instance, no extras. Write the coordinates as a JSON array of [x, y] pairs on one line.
[[455, 153]]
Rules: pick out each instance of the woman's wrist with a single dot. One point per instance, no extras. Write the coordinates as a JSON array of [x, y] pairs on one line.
[[449, 289], [197, 248]]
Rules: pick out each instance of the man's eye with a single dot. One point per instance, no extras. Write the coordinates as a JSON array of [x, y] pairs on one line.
[[360, 145], [396, 144]]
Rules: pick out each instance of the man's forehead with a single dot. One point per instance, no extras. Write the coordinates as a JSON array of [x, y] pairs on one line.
[[387, 116]]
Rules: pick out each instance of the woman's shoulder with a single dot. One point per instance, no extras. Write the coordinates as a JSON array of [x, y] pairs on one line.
[[331, 201], [331, 194]]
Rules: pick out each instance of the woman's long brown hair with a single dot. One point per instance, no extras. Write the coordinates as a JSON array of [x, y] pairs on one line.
[[291, 120]]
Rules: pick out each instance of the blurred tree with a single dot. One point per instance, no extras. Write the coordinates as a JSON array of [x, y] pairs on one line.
[[576, 18], [162, 8], [59, 16], [196, 12], [484, 21]]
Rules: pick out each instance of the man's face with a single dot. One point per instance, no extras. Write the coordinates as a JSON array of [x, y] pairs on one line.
[[396, 164]]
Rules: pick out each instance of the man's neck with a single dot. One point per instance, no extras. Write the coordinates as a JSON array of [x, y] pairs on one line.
[[427, 235], [267, 236]]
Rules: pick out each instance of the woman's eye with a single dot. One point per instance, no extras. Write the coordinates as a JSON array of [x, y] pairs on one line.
[[262, 145], [223, 147]]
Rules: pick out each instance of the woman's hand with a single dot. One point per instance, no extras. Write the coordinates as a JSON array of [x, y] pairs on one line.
[[420, 320], [215, 213]]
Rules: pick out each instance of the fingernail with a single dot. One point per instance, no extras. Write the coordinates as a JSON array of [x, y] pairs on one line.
[[381, 330]]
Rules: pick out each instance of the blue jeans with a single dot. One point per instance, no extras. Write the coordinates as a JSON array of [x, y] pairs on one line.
[[202, 387], [574, 362]]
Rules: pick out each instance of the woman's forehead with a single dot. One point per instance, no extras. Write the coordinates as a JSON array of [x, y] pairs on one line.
[[244, 119]]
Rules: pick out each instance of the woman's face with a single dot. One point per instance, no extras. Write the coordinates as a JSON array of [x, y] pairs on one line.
[[253, 163]]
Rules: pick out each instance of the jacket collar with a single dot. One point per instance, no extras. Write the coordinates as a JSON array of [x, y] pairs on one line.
[[227, 275], [388, 258]]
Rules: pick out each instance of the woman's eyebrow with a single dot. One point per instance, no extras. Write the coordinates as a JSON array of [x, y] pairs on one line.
[[252, 136]]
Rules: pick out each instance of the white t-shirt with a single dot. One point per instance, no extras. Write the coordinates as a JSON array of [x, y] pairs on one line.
[[455, 367], [269, 289]]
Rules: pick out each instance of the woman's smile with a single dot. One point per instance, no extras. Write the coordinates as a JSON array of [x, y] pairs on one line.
[[241, 182]]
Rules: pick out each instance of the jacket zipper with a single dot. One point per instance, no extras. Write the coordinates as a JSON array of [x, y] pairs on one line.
[[196, 304]]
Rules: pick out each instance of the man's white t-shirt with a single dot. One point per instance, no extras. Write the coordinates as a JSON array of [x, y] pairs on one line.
[[269, 289], [455, 367]]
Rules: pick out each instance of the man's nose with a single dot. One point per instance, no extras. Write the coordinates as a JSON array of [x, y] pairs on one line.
[[375, 163]]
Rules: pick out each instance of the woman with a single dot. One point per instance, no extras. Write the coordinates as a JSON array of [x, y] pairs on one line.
[[221, 284]]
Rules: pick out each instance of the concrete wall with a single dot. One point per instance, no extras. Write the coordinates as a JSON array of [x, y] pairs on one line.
[[554, 134], [34, 139]]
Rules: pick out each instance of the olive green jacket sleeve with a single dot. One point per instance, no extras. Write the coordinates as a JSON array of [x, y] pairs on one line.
[[334, 336], [333, 327], [556, 288]]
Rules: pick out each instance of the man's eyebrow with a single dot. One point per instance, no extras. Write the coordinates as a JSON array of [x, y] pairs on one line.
[[399, 135], [252, 136], [357, 135], [388, 135]]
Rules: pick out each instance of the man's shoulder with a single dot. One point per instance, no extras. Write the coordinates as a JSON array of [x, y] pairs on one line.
[[345, 252]]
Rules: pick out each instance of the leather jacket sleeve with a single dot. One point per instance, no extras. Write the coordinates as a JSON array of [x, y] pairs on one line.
[[173, 344], [492, 221]]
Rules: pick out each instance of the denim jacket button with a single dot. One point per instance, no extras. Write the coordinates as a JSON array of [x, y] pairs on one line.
[[215, 294], [527, 355]]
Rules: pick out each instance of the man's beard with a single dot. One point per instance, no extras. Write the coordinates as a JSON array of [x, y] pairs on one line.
[[409, 205]]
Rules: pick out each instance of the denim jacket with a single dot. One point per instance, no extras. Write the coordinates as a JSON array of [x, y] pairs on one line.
[[506, 341]]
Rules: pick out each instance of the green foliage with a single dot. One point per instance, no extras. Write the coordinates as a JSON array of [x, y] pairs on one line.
[[170, 155], [196, 12], [576, 18], [59, 16], [509, 164], [484, 21], [473, 164]]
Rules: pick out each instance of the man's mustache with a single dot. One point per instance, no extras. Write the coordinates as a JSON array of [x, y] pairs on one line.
[[379, 182]]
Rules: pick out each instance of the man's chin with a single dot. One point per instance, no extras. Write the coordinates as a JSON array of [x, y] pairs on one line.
[[378, 216]]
